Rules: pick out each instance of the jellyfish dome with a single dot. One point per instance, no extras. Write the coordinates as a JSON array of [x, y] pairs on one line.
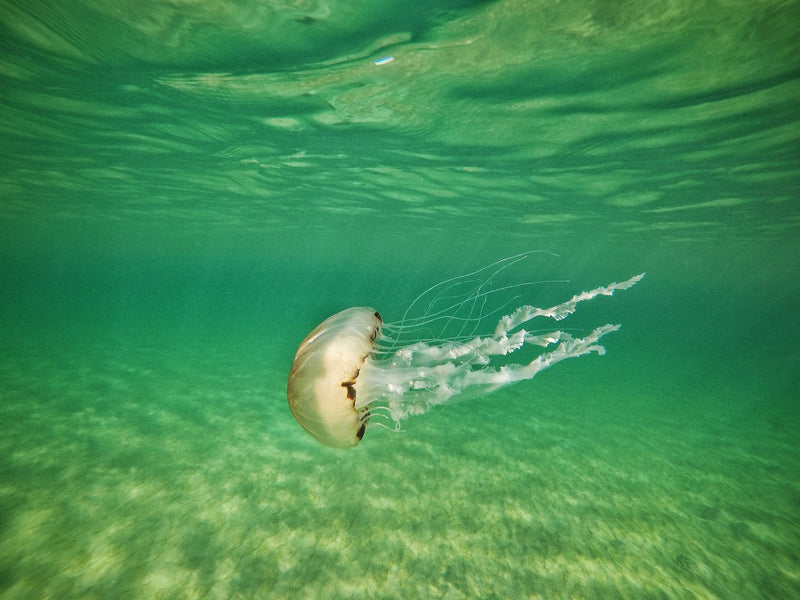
[[321, 390], [353, 370]]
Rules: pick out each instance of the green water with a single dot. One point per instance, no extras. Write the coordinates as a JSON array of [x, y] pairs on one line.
[[189, 188]]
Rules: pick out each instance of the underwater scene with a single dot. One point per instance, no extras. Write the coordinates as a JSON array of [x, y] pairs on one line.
[[549, 253]]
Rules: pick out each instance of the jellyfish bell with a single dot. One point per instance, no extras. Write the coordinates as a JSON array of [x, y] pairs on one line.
[[354, 370], [322, 381]]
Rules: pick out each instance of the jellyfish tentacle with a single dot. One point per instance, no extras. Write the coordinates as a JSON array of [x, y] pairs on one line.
[[410, 379], [443, 286], [450, 373], [435, 296], [560, 311]]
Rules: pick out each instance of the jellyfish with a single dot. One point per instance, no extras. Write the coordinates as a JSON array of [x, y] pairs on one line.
[[354, 371]]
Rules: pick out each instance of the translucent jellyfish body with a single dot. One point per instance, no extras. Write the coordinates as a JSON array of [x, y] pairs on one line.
[[353, 368]]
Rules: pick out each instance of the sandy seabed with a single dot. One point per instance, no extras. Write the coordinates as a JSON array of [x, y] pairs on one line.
[[138, 474]]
